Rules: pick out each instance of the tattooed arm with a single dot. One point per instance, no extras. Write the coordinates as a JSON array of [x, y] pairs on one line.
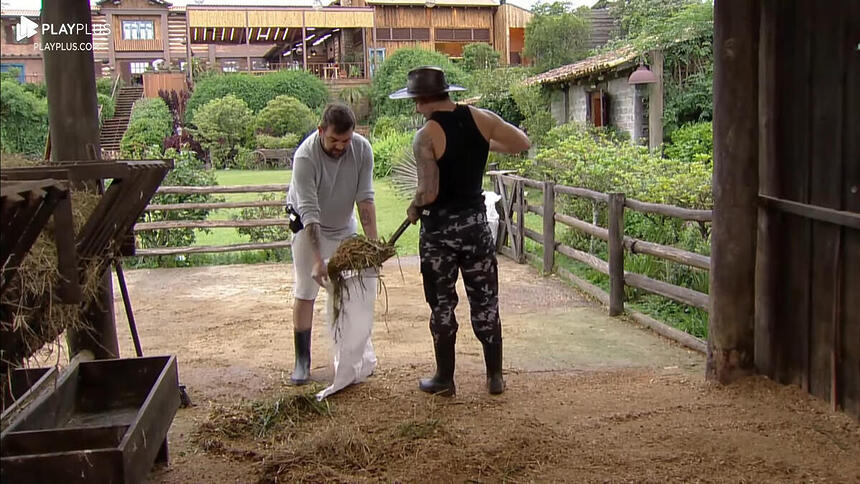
[[428, 170]]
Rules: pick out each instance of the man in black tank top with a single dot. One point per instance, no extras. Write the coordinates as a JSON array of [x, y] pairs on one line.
[[451, 154]]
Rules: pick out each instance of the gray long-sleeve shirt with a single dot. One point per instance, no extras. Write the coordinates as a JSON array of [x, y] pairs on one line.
[[324, 190]]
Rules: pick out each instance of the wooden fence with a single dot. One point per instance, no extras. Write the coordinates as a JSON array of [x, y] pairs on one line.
[[513, 232], [206, 224], [511, 239]]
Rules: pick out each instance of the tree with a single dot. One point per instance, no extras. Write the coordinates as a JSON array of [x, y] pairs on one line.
[[555, 36], [223, 125], [480, 55], [391, 76], [638, 17]]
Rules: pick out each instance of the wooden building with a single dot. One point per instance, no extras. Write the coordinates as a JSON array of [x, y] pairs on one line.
[[342, 41], [785, 248], [447, 26], [21, 54]]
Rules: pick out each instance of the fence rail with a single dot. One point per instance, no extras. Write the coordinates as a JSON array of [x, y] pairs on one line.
[[512, 233], [207, 224]]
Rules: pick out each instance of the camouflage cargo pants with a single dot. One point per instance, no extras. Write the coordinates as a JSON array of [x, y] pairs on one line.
[[449, 244]]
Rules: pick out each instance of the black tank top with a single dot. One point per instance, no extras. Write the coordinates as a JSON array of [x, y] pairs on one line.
[[461, 167]]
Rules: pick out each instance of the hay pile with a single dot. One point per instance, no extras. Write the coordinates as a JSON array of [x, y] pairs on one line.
[[31, 315], [352, 256]]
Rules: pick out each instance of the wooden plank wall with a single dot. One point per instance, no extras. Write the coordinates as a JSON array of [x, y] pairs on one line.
[[432, 18], [154, 82], [808, 317]]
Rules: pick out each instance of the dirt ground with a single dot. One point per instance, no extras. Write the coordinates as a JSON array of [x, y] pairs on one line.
[[590, 398]]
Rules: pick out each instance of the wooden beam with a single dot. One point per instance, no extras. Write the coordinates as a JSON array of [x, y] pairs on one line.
[[210, 249], [210, 224], [193, 190], [214, 206], [731, 343], [74, 130]]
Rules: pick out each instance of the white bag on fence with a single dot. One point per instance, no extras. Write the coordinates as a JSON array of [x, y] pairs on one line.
[[490, 200], [354, 359]]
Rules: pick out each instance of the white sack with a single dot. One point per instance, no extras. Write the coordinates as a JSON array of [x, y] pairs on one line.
[[354, 359]]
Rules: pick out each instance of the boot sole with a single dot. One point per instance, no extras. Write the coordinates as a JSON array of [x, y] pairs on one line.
[[445, 392]]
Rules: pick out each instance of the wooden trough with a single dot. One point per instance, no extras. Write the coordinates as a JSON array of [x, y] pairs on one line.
[[103, 421]]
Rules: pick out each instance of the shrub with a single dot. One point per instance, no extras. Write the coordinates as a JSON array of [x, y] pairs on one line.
[[480, 56], [266, 234], [256, 91], [107, 104], [187, 170], [176, 102], [222, 126], [104, 85], [574, 155], [288, 141], [495, 86], [285, 115], [185, 142], [149, 124], [386, 151], [692, 143], [533, 103], [391, 76], [388, 125], [24, 115], [39, 89]]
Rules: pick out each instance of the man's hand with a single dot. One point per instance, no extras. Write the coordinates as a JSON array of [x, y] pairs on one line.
[[412, 213], [320, 272]]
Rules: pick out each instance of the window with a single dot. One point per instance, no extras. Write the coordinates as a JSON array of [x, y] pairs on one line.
[[11, 37], [230, 66], [138, 30], [597, 108], [463, 35], [376, 57], [138, 67], [405, 33]]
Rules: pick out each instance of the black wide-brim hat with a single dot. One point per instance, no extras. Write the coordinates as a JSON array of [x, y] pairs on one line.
[[425, 81]]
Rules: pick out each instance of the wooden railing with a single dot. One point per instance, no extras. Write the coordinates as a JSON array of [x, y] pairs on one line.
[[323, 70], [513, 232], [205, 224]]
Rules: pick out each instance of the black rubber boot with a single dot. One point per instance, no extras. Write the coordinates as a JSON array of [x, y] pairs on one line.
[[493, 359], [442, 382], [302, 371]]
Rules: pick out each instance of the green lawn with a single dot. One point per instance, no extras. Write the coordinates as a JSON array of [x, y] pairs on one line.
[[390, 210]]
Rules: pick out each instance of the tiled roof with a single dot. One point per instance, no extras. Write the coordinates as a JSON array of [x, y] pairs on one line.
[[12, 12], [440, 3], [598, 63]]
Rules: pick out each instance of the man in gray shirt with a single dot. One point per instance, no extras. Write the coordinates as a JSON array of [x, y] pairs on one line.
[[332, 172]]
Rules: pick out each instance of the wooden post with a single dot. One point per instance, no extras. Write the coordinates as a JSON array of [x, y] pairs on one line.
[[548, 227], [304, 44], [74, 131], [248, 42], [731, 341], [616, 254], [521, 221], [189, 66], [655, 103]]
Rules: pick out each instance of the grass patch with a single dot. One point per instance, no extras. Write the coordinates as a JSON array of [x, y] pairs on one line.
[[257, 419]]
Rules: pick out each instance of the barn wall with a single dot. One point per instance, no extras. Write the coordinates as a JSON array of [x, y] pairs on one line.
[[808, 271]]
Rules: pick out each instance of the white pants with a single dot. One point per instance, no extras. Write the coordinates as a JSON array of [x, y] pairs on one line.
[[303, 263]]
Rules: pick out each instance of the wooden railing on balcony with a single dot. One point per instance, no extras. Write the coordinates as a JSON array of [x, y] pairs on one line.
[[323, 70]]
